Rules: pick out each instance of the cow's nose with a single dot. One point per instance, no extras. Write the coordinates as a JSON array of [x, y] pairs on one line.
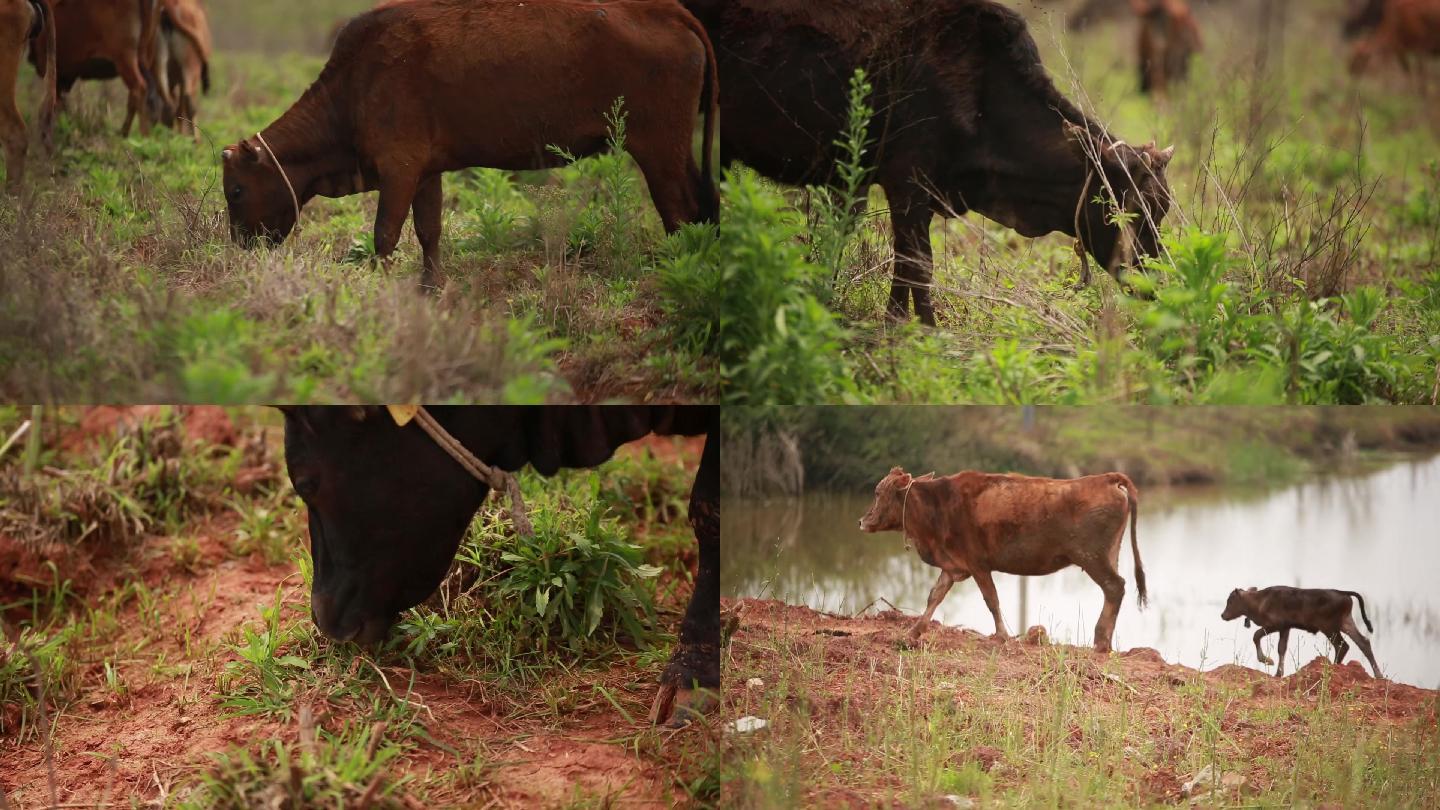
[[325, 610]]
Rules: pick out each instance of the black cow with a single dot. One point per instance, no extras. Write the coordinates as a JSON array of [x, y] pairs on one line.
[[1319, 610], [966, 120], [388, 509]]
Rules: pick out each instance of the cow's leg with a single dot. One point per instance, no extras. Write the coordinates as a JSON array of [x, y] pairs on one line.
[[12, 125], [1348, 628], [937, 595], [992, 601], [1113, 586], [129, 70], [1280, 652], [1338, 642], [428, 205], [397, 192], [691, 680], [1259, 653], [910, 219], [669, 167]]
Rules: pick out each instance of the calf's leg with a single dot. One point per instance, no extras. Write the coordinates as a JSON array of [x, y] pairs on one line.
[[397, 192], [1338, 642], [1348, 628], [427, 208], [1280, 653], [992, 601], [135, 83], [671, 175], [1259, 653]]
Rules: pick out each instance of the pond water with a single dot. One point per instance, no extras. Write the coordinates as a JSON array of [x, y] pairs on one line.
[[1377, 533]]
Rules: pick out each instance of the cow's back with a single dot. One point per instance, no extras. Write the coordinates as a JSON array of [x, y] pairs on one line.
[[481, 83], [1026, 524]]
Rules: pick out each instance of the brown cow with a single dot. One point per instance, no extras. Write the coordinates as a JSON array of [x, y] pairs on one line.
[[23, 21], [971, 523], [1280, 609], [1362, 16], [1168, 38], [967, 120], [417, 88], [181, 63], [1406, 27], [102, 39]]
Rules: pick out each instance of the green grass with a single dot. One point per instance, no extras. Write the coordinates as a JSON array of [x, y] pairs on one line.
[[1300, 262]]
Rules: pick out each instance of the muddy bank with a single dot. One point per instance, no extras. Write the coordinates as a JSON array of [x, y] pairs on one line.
[[861, 721]]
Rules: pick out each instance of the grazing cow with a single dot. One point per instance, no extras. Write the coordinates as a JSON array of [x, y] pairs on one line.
[[388, 509], [408, 94], [1168, 38], [971, 524], [1317, 610], [181, 63], [1405, 27], [102, 39], [967, 119], [22, 22]]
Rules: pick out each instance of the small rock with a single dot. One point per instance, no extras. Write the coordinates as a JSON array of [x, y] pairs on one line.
[[960, 801], [754, 683], [746, 725], [1037, 636], [1200, 783], [986, 756]]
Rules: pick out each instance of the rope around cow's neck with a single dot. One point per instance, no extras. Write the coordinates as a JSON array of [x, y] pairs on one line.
[[294, 198], [905, 503], [1080, 243], [493, 477]]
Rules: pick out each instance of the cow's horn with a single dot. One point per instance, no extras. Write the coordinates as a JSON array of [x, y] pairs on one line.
[[1163, 156], [227, 153]]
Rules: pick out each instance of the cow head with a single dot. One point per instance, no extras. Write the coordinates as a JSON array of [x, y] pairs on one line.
[[1237, 604], [886, 513], [1124, 202], [256, 195], [387, 507]]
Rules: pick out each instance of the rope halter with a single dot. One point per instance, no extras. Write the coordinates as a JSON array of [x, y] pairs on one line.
[[294, 198], [493, 477]]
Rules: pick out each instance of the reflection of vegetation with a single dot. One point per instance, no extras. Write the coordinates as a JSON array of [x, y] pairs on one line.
[[846, 449]]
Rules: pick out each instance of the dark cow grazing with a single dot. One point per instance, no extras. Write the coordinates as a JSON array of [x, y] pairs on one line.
[[1168, 38], [1406, 27], [967, 120], [388, 508], [408, 94], [1279, 609], [103, 39], [180, 64], [22, 22], [971, 524]]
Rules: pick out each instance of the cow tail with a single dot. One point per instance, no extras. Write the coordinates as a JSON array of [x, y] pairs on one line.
[[48, 98], [1361, 600], [1134, 503], [710, 108]]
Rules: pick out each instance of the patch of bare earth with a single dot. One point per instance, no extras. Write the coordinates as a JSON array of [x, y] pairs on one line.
[[141, 745]]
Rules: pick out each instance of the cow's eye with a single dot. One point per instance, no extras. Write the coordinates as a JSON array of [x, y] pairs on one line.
[[235, 192], [306, 485]]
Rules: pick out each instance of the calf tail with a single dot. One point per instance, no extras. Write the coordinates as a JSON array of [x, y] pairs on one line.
[[1361, 600], [1133, 502], [710, 109]]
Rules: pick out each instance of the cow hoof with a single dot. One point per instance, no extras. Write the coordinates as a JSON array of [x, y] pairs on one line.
[[675, 707], [1266, 661], [909, 643]]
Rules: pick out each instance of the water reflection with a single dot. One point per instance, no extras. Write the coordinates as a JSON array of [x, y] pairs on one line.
[[1374, 533]]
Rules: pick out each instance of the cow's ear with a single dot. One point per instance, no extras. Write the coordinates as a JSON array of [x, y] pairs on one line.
[[896, 471], [248, 152]]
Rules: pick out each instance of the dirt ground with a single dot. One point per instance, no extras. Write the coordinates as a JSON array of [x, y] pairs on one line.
[[840, 676], [140, 746]]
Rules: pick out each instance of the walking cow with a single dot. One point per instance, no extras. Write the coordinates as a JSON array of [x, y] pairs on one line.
[[971, 524], [24, 22]]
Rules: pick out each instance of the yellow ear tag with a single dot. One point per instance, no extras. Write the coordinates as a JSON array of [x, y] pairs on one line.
[[402, 414]]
